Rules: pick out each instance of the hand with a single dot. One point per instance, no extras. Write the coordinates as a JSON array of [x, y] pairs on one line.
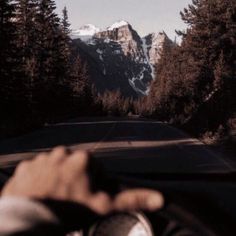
[[60, 176]]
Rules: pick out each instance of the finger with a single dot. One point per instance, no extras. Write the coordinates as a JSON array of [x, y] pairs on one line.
[[58, 155], [40, 158], [100, 203], [77, 162], [139, 199], [22, 166]]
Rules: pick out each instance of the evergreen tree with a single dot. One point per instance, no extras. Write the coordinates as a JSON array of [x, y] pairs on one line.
[[7, 54], [27, 44], [50, 83], [65, 43], [63, 55], [38, 76], [197, 79], [80, 86], [210, 44], [65, 22]]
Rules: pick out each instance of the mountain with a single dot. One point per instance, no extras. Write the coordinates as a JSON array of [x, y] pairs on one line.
[[85, 32], [118, 58], [153, 45]]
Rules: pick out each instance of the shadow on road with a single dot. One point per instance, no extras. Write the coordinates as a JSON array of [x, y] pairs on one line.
[[74, 133], [133, 146]]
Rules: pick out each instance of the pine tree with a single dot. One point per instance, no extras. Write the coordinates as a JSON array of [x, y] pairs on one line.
[[27, 44], [210, 44], [48, 32], [7, 54], [80, 85], [63, 53], [65, 22], [197, 79], [65, 42], [50, 83]]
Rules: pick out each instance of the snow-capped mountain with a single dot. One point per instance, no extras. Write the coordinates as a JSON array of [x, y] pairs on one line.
[[154, 44], [85, 32], [117, 25], [119, 58]]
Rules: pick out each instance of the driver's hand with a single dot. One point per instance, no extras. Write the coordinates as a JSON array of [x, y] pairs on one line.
[[61, 176]]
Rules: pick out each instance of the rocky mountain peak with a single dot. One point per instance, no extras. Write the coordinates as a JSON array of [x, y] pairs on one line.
[[123, 33], [85, 32], [120, 31], [154, 44], [118, 24], [120, 58]]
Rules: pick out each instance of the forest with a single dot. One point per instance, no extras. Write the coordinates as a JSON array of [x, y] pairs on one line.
[[42, 80], [196, 84]]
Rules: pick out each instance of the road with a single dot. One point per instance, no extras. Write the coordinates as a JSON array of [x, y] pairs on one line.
[[125, 145]]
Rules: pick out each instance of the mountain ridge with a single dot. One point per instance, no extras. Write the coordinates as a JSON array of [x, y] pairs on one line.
[[122, 56]]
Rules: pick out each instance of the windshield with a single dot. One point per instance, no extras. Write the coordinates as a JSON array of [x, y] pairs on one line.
[[145, 87]]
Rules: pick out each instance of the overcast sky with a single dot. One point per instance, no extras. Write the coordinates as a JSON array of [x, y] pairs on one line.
[[145, 16]]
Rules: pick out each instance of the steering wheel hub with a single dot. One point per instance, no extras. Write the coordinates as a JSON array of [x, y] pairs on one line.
[[123, 224]]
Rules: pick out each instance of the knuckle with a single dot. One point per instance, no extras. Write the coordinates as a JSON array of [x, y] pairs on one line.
[[104, 209], [41, 157], [58, 155], [82, 154], [78, 162], [58, 160], [129, 200], [100, 203], [22, 166], [61, 150]]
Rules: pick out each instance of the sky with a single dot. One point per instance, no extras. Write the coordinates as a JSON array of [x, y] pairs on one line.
[[146, 16]]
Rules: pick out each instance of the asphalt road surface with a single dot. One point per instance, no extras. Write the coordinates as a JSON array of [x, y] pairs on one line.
[[125, 145]]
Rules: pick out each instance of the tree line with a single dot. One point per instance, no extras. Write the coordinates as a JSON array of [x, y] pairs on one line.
[[195, 83], [41, 79]]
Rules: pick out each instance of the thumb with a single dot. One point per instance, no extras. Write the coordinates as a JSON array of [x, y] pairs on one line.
[[139, 199]]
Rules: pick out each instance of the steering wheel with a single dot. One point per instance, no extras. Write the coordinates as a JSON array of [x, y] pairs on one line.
[[172, 221]]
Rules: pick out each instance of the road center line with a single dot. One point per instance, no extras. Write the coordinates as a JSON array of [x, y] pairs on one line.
[[98, 144]]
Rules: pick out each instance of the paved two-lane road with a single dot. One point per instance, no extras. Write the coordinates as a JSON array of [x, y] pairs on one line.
[[133, 146]]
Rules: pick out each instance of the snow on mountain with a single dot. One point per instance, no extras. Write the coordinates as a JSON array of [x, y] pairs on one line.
[[155, 43], [146, 54], [85, 32], [118, 24], [123, 59]]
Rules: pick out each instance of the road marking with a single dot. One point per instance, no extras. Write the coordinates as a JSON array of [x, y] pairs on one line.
[[98, 144], [126, 138]]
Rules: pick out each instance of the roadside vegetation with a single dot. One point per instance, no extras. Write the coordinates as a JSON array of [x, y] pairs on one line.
[[195, 83]]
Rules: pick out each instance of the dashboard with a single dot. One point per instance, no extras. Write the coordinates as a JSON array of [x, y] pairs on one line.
[[195, 206]]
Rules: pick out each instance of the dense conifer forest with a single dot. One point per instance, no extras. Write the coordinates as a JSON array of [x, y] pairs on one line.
[[39, 80], [195, 85]]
